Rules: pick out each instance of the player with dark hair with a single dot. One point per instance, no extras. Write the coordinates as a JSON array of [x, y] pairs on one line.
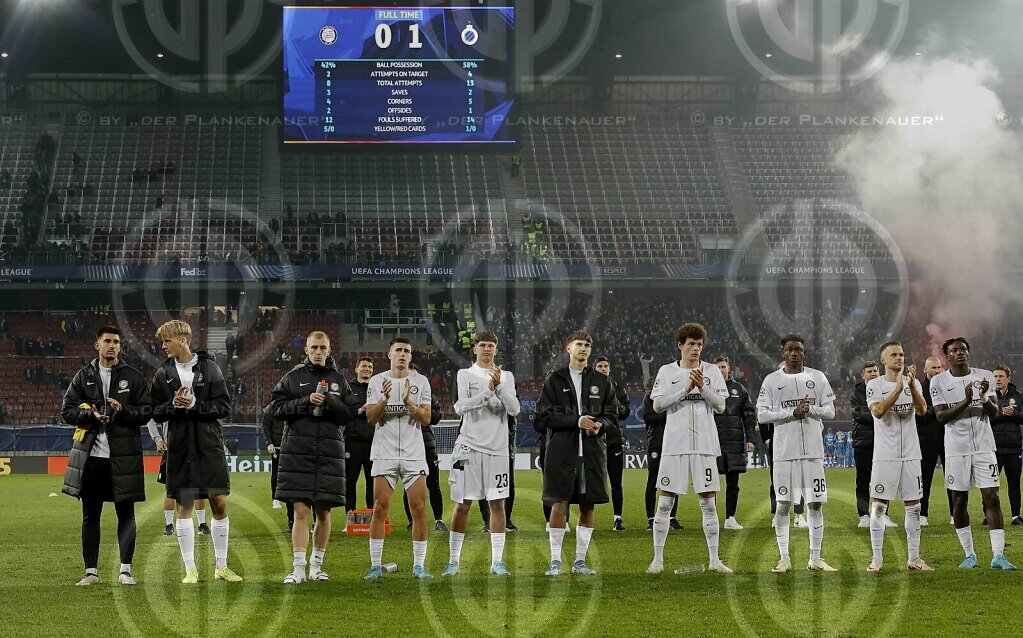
[[965, 401], [863, 442], [894, 399], [1008, 436], [932, 441], [575, 408], [108, 402], [796, 399], [398, 404], [480, 462], [359, 436], [273, 433], [615, 444], [691, 391], [311, 400], [190, 395], [737, 430], [655, 423]]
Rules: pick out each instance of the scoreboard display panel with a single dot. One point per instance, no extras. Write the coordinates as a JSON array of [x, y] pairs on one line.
[[398, 75]]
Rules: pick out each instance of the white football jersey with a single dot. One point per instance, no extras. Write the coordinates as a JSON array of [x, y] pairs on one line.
[[970, 432], [690, 427], [895, 437], [400, 438], [485, 413], [780, 392]]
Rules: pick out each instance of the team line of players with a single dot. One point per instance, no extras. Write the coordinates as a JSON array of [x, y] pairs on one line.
[[576, 407]]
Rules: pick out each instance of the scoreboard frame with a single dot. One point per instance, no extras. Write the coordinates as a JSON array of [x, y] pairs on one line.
[[483, 147]]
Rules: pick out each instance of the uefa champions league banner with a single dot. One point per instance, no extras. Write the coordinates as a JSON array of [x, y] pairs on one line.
[[480, 272]]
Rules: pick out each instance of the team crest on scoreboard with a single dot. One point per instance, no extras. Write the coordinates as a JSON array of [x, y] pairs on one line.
[[328, 35]]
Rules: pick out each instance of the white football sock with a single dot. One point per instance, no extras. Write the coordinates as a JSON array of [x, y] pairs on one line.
[[316, 561], [125, 568], [186, 542], [376, 551], [965, 535], [997, 542], [455, 546], [418, 553], [200, 516], [781, 528], [582, 542], [497, 547], [220, 531], [711, 526], [816, 516], [877, 512], [662, 518], [299, 564], [557, 538], [168, 517], [913, 531]]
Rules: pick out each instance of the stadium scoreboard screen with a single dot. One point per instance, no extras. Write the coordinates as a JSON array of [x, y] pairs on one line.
[[398, 75]]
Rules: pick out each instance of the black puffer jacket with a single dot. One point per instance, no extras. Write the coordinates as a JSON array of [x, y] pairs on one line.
[[655, 424], [736, 425], [1008, 436], [616, 435], [196, 459], [358, 428], [273, 429], [927, 426], [557, 418], [863, 418], [131, 390], [312, 466]]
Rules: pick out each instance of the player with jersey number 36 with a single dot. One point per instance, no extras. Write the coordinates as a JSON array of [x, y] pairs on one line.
[[796, 399]]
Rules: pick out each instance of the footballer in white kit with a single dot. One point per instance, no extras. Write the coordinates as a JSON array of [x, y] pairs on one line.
[[397, 405], [895, 399], [965, 400], [480, 461], [691, 391], [796, 399], [398, 451]]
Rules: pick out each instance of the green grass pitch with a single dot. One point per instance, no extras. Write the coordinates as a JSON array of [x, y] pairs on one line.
[[42, 557]]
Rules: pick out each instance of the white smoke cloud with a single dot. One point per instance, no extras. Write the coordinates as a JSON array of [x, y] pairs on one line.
[[951, 194]]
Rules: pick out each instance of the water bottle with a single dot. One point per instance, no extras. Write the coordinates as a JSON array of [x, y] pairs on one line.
[[691, 569], [321, 388], [389, 568]]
